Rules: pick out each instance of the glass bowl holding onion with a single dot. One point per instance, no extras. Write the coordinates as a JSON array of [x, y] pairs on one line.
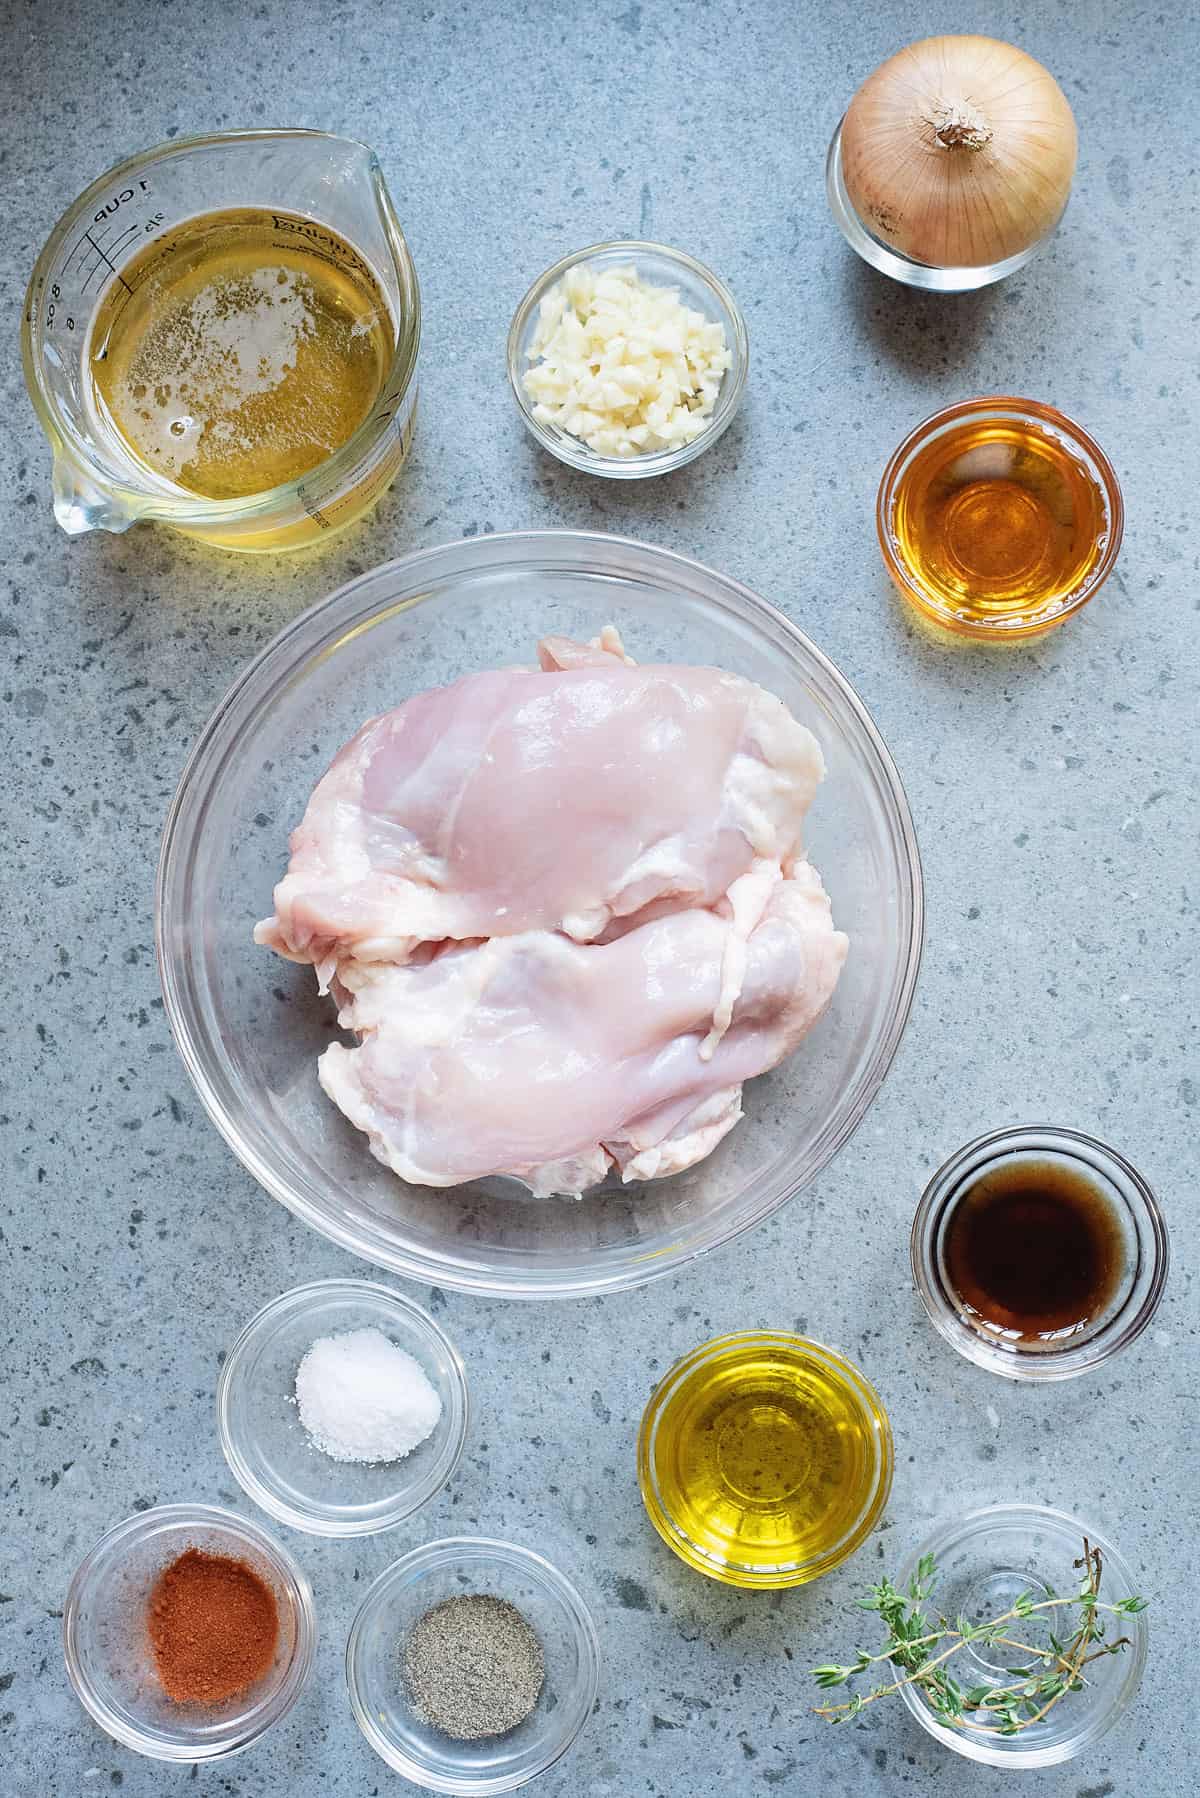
[[953, 163]]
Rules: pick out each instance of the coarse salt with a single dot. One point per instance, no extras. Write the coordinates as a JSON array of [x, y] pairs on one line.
[[363, 1399], [623, 364]]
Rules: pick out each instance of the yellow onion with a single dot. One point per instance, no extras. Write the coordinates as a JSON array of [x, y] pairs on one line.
[[959, 151]]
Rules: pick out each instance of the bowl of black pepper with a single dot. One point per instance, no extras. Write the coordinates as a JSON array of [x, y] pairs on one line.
[[472, 1665]]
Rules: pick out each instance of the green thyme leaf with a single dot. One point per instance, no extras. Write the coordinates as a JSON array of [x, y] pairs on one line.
[[831, 1675]]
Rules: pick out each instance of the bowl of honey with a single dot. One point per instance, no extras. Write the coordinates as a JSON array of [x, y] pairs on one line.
[[998, 519], [1039, 1252], [764, 1460]]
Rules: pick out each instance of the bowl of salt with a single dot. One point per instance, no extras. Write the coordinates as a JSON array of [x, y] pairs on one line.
[[342, 1408]]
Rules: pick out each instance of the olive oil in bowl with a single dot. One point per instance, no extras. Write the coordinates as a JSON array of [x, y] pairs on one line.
[[764, 1460]]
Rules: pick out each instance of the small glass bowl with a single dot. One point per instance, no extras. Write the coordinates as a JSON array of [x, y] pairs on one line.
[[1142, 1228], [985, 1561], [903, 268], [669, 1422], [698, 288], [270, 1453], [1025, 415], [109, 1659], [397, 1601]]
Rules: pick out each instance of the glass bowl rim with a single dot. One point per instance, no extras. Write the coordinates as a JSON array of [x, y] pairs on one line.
[[1100, 470], [431, 1557], [272, 1707], [924, 277], [1066, 1363], [320, 1521], [300, 640], [195, 510], [879, 1475], [573, 451], [975, 1522]]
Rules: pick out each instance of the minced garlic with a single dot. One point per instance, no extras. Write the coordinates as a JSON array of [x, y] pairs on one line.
[[622, 364]]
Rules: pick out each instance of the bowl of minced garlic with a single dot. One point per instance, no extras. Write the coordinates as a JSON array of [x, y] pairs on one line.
[[188, 1632], [628, 359]]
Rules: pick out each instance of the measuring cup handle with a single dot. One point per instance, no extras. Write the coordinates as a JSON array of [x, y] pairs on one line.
[[81, 506]]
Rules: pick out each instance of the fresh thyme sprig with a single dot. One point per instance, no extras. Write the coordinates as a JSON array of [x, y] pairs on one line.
[[922, 1647]]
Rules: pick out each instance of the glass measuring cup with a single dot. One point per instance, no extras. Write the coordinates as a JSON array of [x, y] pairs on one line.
[[306, 180]]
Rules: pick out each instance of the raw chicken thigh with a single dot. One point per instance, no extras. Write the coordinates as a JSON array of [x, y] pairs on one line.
[[548, 1059], [566, 913], [558, 798]]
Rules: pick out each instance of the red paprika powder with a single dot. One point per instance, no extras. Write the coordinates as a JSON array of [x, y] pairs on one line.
[[213, 1626]]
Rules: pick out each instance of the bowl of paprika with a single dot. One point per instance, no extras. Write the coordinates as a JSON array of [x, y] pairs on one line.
[[188, 1632]]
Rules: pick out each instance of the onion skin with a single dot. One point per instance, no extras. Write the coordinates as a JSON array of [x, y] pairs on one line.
[[959, 151]]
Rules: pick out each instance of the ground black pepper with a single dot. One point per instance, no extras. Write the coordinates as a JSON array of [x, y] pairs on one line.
[[473, 1666]]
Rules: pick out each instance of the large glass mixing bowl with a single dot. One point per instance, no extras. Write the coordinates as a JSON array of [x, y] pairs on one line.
[[250, 1026]]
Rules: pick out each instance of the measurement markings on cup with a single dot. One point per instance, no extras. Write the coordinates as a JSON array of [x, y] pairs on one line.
[[103, 260], [77, 259]]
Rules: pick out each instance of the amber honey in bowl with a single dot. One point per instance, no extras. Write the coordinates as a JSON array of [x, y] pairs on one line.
[[999, 518]]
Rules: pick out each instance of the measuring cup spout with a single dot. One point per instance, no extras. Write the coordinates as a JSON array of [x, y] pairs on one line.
[[81, 506]]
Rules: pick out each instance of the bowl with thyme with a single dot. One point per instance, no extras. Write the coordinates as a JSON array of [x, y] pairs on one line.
[[1015, 1635]]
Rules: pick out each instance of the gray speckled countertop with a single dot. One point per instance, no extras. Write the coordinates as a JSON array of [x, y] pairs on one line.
[[1053, 792]]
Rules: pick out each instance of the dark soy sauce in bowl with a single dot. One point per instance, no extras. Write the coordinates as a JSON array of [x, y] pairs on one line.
[[1034, 1250]]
